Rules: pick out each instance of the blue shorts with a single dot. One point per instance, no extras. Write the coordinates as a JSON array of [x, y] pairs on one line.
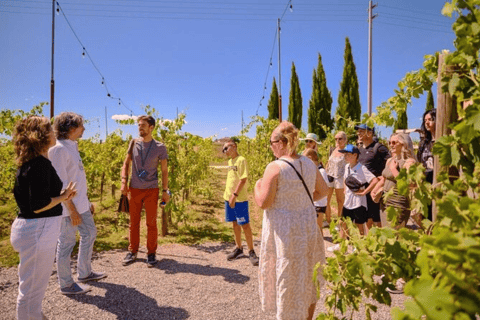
[[238, 213]]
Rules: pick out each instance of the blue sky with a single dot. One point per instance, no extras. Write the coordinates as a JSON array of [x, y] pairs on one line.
[[209, 59]]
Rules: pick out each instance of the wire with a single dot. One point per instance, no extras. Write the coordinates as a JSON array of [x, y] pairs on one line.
[[268, 71], [85, 52], [413, 27]]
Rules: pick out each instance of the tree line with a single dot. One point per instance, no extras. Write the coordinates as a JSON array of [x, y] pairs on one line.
[[320, 120]]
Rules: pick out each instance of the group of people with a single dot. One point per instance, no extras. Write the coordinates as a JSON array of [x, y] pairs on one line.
[[295, 192], [51, 194]]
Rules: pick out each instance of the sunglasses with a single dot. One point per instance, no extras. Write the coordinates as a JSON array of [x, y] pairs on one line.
[[309, 141], [338, 139], [272, 142], [393, 143], [224, 150]]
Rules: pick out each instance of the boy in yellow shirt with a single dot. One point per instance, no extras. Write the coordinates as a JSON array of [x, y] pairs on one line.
[[236, 202]]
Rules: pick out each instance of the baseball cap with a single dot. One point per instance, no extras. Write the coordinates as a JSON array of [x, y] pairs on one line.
[[350, 148], [313, 137], [363, 126]]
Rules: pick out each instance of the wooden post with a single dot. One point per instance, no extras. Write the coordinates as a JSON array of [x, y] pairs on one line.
[[164, 221], [446, 114]]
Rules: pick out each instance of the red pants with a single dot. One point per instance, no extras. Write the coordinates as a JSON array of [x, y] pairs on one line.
[[148, 197]]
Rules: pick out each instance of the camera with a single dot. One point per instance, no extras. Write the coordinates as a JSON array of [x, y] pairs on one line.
[[142, 174]]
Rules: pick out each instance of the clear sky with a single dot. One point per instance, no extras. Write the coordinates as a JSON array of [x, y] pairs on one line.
[[209, 59]]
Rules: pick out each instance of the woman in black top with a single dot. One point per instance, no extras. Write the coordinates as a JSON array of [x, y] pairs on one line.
[[38, 193], [424, 154]]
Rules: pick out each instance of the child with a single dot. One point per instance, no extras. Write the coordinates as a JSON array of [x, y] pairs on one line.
[[320, 205], [357, 176]]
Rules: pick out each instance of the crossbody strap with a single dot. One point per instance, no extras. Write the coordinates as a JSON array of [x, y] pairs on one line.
[[300, 176]]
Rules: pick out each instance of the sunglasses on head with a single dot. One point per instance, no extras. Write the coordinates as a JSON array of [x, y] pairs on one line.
[[226, 148]]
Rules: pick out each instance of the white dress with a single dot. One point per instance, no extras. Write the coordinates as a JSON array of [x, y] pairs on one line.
[[291, 244]]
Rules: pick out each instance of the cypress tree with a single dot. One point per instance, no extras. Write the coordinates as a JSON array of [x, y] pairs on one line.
[[273, 102], [349, 97], [320, 106], [430, 104], [295, 104]]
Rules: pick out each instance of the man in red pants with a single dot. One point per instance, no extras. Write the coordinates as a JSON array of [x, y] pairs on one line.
[[145, 154]]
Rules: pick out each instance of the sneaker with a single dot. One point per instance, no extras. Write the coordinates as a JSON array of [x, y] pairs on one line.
[[398, 287], [93, 276], [253, 257], [151, 260], [337, 228], [129, 258], [75, 288], [334, 248], [234, 255], [326, 224]]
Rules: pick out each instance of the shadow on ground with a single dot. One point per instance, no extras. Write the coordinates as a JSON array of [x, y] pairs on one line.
[[129, 303], [230, 275]]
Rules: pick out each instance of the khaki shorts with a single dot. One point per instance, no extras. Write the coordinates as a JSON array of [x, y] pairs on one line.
[[337, 183]]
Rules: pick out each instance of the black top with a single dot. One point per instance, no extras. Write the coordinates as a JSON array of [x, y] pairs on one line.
[[374, 158], [36, 183]]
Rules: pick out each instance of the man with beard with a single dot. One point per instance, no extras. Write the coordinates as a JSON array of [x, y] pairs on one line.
[[145, 154]]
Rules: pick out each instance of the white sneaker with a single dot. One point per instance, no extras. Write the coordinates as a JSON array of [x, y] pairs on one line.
[[326, 224], [333, 248]]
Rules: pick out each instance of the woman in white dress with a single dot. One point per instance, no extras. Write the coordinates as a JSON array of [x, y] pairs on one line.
[[291, 241]]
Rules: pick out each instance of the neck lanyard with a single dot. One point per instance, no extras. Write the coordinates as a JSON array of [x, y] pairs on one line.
[[141, 152]]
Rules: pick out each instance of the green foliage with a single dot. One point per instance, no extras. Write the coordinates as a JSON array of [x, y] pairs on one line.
[[257, 150], [295, 102], [402, 121], [273, 103], [348, 97], [440, 261], [320, 106]]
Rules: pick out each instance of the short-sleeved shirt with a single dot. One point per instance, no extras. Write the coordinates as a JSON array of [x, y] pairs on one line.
[[238, 170], [375, 162], [363, 175], [36, 183], [145, 159]]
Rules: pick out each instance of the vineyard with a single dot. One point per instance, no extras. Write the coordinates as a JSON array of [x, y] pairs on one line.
[[438, 262]]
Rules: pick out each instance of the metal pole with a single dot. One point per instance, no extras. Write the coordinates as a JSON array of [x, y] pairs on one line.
[[279, 78], [106, 127], [52, 81], [369, 82]]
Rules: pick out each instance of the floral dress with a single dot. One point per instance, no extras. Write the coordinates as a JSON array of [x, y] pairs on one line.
[[291, 244]]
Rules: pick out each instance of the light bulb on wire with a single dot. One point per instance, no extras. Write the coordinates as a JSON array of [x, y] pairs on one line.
[[291, 8], [83, 53], [58, 11]]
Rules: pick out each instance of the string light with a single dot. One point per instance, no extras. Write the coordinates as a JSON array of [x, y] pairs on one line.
[[86, 54], [291, 8]]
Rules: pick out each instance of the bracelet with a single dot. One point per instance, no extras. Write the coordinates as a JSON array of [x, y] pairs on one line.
[[124, 177], [165, 190], [236, 195]]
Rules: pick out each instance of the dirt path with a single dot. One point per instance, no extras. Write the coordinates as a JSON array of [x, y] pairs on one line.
[[189, 282]]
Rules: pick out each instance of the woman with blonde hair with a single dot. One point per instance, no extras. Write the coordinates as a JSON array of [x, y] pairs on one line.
[[291, 241], [38, 193], [403, 156], [335, 170]]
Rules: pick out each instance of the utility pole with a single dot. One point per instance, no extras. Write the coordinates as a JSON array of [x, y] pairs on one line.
[[369, 85], [106, 127], [279, 77], [52, 81]]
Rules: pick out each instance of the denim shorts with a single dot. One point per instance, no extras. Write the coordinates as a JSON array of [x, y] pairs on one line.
[[238, 213]]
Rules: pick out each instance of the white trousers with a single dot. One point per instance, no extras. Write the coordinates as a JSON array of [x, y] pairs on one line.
[[35, 241]]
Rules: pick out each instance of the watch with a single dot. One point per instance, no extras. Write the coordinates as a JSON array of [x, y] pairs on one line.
[[236, 195]]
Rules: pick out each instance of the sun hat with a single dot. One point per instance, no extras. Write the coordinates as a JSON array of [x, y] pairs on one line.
[[313, 137]]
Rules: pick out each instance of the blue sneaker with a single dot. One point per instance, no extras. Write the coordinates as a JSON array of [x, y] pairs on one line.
[[75, 288], [93, 276]]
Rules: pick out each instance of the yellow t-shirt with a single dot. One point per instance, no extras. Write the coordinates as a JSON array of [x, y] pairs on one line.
[[234, 176]]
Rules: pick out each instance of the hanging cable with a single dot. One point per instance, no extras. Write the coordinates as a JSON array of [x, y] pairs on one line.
[[86, 54]]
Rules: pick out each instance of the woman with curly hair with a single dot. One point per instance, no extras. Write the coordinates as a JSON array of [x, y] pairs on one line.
[[38, 193]]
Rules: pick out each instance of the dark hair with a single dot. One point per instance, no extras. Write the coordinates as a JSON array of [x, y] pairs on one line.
[[65, 122], [232, 140], [427, 135], [150, 120], [31, 138]]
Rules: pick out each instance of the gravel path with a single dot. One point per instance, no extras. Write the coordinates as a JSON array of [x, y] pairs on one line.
[[188, 282]]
